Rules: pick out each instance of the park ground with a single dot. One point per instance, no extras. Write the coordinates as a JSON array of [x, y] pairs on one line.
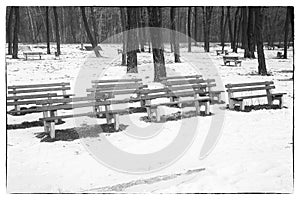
[[254, 153]]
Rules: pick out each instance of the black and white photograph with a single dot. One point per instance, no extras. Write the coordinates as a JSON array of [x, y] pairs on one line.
[[148, 99]]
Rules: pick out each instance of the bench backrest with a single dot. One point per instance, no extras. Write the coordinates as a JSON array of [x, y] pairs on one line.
[[265, 86], [177, 87], [37, 91], [115, 88]]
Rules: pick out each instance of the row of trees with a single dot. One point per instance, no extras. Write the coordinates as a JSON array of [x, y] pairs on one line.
[[245, 27]]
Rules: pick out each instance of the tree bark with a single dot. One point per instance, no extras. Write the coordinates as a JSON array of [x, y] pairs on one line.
[[189, 29], [222, 28], [96, 37], [196, 25], [57, 36], [155, 21], [124, 34], [141, 25], [262, 69], [230, 27], [47, 30], [174, 41], [8, 30], [250, 33], [207, 11], [235, 31], [132, 44], [244, 32], [286, 33], [16, 33]]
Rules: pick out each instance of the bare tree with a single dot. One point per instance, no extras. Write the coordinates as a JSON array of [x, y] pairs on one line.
[[262, 69], [207, 12], [196, 10], [189, 29], [286, 33], [132, 43], [174, 41], [47, 30], [57, 36], [8, 30], [222, 28], [155, 21], [250, 33], [124, 35], [16, 33]]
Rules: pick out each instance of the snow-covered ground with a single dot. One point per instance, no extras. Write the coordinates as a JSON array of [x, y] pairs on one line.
[[254, 153]]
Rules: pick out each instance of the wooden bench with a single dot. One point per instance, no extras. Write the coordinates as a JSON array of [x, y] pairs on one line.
[[219, 52], [51, 107], [262, 89], [279, 55], [116, 87], [211, 84], [120, 51], [196, 89], [28, 52], [230, 59], [28, 94]]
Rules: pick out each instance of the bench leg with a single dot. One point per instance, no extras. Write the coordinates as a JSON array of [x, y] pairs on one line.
[[116, 122], [157, 114], [231, 104], [149, 113], [46, 125], [242, 105], [207, 108], [197, 105], [52, 130], [143, 103], [108, 116], [53, 114]]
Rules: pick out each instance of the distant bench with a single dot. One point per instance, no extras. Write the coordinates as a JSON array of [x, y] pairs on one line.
[[232, 59], [28, 94], [213, 93], [32, 53], [219, 52], [264, 88]]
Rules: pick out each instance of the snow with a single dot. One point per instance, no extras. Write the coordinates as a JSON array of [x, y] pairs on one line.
[[254, 153]]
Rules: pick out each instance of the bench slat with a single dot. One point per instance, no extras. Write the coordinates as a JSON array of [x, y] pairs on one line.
[[251, 89], [181, 82], [35, 96], [249, 84], [180, 77], [88, 114], [116, 80], [38, 85], [39, 90], [182, 101], [119, 86]]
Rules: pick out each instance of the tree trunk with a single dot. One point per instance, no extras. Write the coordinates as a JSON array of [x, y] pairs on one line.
[[291, 11], [88, 32], [230, 27], [132, 43], [8, 30], [244, 33], [124, 34], [196, 25], [174, 41], [31, 25], [221, 28], [141, 25], [16, 33], [207, 11], [262, 70], [189, 29], [96, 37], [250, 33], [47, 30], [57, 36], [72, 27], [286, 33], [155, 21], [235, 31]]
